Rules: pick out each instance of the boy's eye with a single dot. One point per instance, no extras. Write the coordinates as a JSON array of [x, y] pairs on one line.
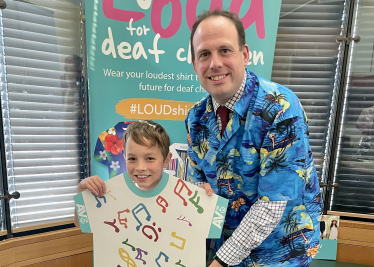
[[150, 158], [131, 159]]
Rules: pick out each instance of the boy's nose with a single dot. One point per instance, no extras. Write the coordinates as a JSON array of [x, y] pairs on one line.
[[140, 166]]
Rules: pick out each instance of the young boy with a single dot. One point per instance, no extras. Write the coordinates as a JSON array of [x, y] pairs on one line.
[[146, 151], [148, 215]]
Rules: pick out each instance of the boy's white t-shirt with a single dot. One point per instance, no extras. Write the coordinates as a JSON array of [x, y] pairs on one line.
[[165, 226]]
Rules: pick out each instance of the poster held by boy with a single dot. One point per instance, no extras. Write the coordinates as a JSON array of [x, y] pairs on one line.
[[149, 216]]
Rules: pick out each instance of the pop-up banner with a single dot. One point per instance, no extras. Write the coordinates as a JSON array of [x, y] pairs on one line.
[[139, 59]]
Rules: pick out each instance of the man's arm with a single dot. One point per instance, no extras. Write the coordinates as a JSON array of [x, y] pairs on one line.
[[266, 213], [255, 227]]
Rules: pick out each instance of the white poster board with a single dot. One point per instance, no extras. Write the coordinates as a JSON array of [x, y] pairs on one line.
[[165, 226]]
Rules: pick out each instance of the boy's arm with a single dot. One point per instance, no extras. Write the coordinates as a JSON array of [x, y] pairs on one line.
[[96, 185], [76, 221]]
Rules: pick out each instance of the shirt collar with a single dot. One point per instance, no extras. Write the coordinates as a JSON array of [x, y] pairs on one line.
[[234, 99]]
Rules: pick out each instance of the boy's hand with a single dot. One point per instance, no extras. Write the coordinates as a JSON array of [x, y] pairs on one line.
[[208, 189], [95, 184]]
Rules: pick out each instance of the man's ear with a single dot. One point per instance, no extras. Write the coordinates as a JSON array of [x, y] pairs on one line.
[[167, 160], [245, 52]]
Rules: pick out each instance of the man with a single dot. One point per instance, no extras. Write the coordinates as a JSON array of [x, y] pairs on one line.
[[248, 142]]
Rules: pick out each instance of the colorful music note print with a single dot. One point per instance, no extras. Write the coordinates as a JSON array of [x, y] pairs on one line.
[[120, 220], [161, 200], [126, 258], [159, 256], [115, 199], [183, 185], [98, 205], [131, 246], [113, 224], [174, 234], [153, 229], [183, 219], [196, 203], [136, 210]]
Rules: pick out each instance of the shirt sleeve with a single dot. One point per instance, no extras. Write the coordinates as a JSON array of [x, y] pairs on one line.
[[195, 174], [286, 162], [255, 227]]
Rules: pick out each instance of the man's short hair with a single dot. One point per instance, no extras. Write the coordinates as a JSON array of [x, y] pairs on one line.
[[147, 133], [219, 13]]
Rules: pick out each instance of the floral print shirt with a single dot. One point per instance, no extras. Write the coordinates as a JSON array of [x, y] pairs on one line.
[[264, 154]]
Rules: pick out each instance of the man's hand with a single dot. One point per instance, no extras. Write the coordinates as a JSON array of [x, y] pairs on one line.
[[215, 264], [95, 184], [208, 190]]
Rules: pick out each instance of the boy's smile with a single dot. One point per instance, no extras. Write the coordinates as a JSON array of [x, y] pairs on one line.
[[145, 164]]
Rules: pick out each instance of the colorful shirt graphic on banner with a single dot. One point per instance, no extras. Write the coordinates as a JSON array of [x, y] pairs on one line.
[[165, 226], [109, 149]]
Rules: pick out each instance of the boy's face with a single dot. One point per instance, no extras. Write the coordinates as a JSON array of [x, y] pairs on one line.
[[145, 164]]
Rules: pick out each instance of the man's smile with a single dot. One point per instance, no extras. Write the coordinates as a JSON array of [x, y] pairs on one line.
[[217, 78]]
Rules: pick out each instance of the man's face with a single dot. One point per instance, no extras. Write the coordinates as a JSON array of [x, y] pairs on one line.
[[218, 62]]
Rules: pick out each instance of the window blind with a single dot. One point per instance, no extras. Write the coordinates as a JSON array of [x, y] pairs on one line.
[[306, 60], [354, 169], [2, 208], [41, 90]]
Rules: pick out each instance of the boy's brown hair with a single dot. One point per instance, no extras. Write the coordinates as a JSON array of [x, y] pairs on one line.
[[147, 133]]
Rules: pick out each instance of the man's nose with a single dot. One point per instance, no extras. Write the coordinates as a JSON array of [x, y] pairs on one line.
[[215, 61]]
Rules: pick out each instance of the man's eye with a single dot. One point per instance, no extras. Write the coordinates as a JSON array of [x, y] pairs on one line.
[[203, 55], [224, 51]]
